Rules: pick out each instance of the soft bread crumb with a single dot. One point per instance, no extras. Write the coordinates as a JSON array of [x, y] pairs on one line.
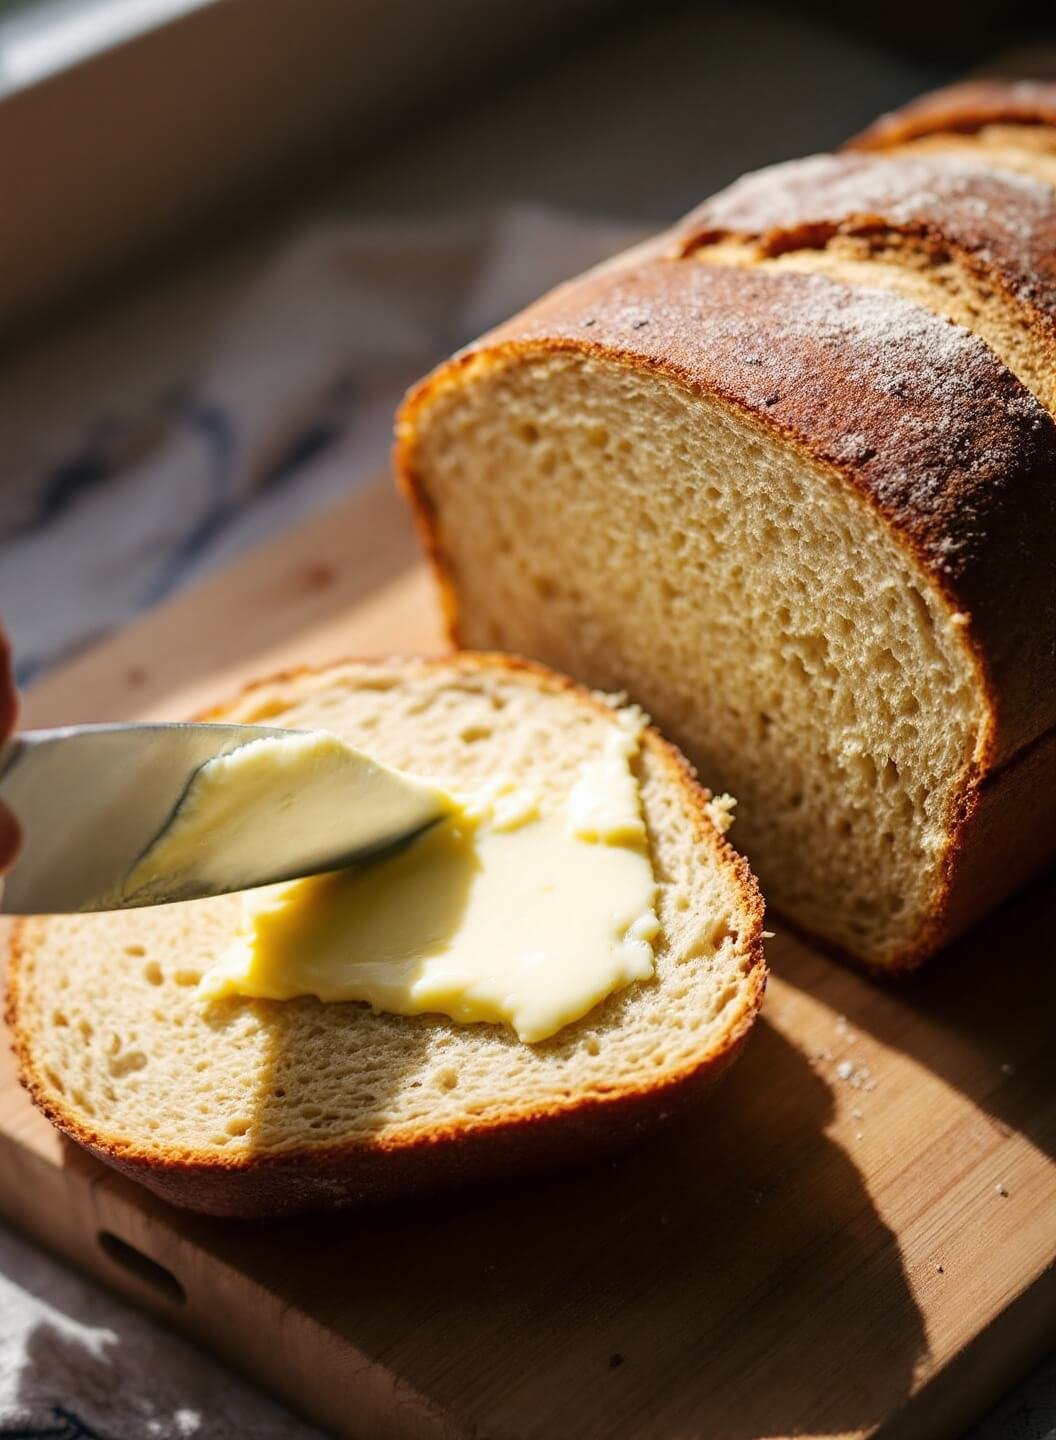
[[720, 812]]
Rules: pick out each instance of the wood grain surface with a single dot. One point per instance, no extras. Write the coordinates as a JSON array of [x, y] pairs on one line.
[[855, 1237]]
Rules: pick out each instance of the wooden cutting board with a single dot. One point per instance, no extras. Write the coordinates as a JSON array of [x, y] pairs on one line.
[[854, 1237]]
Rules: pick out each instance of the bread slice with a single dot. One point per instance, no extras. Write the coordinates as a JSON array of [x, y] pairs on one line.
[[254, 1108], [810, 526], [1010, 124], [974, 244]]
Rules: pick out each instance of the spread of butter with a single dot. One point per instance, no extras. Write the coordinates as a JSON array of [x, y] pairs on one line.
[[329, 799], [511, 910]]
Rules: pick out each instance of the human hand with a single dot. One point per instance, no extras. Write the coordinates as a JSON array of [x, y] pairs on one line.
[[10, 835]]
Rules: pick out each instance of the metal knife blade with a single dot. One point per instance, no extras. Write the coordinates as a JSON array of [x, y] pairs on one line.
[[92, 798]]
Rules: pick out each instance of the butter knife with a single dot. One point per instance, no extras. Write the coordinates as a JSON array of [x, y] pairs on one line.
[[92, 799]]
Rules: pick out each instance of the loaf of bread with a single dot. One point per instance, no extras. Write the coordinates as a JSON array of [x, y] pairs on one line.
[[253, 1108], [1009, 124], [788, 475]]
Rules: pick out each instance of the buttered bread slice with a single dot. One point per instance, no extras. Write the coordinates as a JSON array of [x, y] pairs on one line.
[[146, 1035]]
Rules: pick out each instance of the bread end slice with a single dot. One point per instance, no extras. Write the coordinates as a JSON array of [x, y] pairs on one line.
[[1011, 124], [258, 1108]]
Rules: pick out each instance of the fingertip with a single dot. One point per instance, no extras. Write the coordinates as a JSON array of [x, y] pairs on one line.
[[10, 839]]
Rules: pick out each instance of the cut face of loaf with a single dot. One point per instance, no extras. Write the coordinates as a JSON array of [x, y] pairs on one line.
[[1007, 124], [971, 243], [810, 527], [251, 1107]]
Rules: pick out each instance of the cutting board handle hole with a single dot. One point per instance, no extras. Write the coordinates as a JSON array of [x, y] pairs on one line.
[[142, 1268]]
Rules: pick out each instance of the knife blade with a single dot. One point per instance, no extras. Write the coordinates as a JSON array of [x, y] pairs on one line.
[[92, 799]]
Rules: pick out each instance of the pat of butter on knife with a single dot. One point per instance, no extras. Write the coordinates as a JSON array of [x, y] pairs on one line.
[[330, 800]]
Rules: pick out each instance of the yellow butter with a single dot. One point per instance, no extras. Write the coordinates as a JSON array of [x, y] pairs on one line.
[[512, 910], [328, 797], [604, 804]]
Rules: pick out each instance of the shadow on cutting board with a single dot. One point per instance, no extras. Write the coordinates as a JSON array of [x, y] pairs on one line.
[[979, 1015], [725, 1278]]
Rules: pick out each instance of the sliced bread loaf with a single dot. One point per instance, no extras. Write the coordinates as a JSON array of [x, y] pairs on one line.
[[811, 527], [252, 1108], [1008, 123]]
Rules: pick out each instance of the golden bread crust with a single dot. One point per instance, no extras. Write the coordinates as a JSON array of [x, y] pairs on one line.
[[1005, 837]]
